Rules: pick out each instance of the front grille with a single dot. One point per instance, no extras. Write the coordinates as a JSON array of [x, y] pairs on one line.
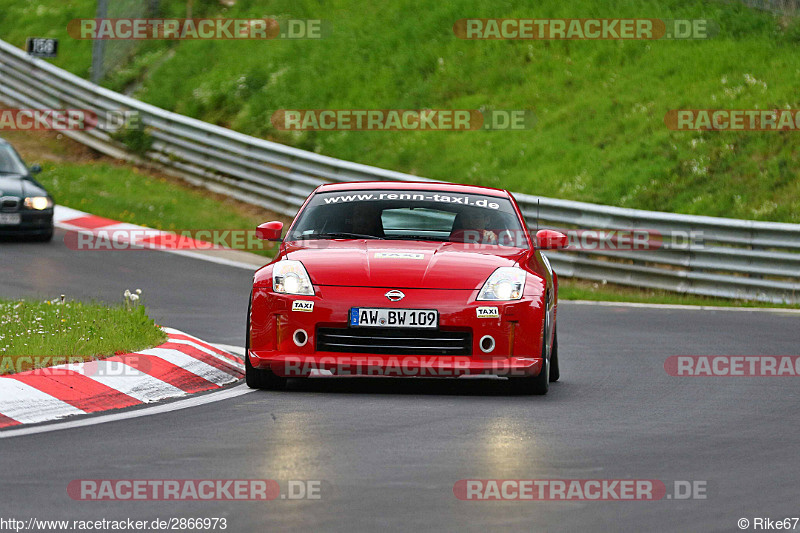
[[389, 341], [9, 203]]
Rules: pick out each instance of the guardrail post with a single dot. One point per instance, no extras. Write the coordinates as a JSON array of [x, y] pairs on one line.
[[99, 45]]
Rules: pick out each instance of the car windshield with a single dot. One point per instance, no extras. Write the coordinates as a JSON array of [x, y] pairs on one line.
[[410, 215], [10, 162]]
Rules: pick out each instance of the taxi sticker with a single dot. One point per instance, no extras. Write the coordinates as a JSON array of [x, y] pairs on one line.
[[302, 305], [488, 312]]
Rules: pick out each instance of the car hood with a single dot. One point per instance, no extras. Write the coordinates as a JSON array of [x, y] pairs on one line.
[[19, 186], [400, 264]]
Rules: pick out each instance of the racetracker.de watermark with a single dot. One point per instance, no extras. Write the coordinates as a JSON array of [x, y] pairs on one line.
[[196, 489], [400, 366], [197, 29], [123, 239], [131, 365], [733, 365], [733, 119], [584, 29], [619, 240], [638, 240], [578, 490], [67, 120], [402, 119]]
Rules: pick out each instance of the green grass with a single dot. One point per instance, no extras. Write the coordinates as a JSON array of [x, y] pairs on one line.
[[20, 20], [36, 334], [128, 195], [49, 18], [599, 137]]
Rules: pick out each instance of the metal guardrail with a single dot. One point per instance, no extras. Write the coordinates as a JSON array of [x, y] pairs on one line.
[[777, 7], [738, 258]]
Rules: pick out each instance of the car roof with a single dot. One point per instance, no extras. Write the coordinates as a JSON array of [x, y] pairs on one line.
[[413, 186]]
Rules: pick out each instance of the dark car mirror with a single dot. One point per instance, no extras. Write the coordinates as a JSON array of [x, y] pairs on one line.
[[547, 239], [36, 169], [270, 231]]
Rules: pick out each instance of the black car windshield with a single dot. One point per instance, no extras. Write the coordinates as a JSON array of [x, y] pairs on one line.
[[410, 215], [10, 162]]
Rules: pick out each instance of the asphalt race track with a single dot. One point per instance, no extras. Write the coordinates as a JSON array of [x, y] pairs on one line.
[[179, 292], [389, 452]]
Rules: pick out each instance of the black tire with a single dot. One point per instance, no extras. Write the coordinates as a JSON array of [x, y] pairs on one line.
[[554, 372], [44, 237], [262, 379], [255, 377], [536, 385]]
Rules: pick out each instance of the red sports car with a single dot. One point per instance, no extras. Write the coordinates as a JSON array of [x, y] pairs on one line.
[[405, 279]]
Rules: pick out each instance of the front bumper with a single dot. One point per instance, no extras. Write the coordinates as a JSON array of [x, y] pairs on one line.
[[32, 223], [517, 332]]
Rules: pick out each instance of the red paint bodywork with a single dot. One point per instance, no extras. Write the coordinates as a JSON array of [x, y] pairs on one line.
[[345, 274], [270, 231]]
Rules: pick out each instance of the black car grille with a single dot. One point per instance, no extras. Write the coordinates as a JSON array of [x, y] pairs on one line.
[[9, 203], [389, 341]]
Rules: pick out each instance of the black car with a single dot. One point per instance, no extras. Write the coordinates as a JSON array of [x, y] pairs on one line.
[[26, 209]]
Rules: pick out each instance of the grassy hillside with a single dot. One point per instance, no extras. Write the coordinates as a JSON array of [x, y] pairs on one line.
[[600, 135]]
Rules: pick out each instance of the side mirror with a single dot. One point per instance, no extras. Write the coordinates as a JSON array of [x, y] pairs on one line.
[[36, 169], [270, 231], [547, 239]]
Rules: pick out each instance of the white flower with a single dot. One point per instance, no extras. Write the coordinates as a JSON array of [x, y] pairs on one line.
[[127, 293], [139, 291], [134, 297]]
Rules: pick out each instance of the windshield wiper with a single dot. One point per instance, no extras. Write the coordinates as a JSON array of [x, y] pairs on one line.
[[340, 235]]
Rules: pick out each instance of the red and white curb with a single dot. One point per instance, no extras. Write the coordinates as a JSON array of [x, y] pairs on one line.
[[135, 236], [182, 365]]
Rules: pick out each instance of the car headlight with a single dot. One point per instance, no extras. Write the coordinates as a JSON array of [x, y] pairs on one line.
[[290, 277], [38, 202], [505, 283]]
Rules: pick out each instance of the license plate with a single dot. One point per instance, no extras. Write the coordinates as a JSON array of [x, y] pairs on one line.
[[371, 317], [10, 219]]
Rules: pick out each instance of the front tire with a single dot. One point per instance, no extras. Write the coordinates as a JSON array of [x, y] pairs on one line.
[[262, 379], [536, 385], [44, 237], [554, 372], [255, 377]]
